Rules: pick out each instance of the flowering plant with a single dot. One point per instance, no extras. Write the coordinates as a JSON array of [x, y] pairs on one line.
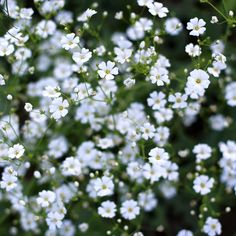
[[117, 122]]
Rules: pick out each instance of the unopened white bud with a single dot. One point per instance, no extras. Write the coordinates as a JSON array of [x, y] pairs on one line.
[[231, 13], [214, 20], [28, 107], [37, 174], [9, 97]]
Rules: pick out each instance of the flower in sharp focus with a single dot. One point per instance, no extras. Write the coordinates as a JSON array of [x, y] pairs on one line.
[[104, 186], [129, 209], [107, 209], [58, 108], [107, 70], [196, 26], [179, 100], [197, 82], [69, 41], [158, 156]]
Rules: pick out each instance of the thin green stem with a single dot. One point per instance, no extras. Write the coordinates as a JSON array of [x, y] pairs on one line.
[[216, 9]]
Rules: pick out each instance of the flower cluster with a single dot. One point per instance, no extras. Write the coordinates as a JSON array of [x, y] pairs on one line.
[[104, 130]]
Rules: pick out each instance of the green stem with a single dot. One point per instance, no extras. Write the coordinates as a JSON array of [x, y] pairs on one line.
[[216, 9]]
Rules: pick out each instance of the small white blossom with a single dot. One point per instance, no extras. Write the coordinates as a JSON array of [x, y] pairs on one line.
[[212, 227], [196, 26], [107, 209], [193, 50], [46, 198], [58, 108], [107, 70], [16, 151], [129, 209], [157, 8], [69, 41], [203, 184], [28, 107]]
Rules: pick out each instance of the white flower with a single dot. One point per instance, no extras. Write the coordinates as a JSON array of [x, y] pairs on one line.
[[8, 182], [197, 82], [46, 198], [173, 26], [129, 209], [5, 48], [67, 228], [86, 15], [202, 151], [179, 100], [158, 156], [218, 122], [129, 82], [107, 209], [138, 234], [196, 26], [107, 70], [83, 227], [69, 41], [157, 8], [122, 54], [203, 184], [104, 186], [193, 50], [217, 46], [147, 200], [58, 108], [228, 150], [163, 114], [45, 28], [16, 151], [159, 76], [212, 227], [154, 172], [82, 56], [9, 179], [105, 143], [156, 100], [57, 147], [119, 15], [54, 220], [134, 170], [71, 166], [217, 67], [148, 131], [214, 19], [28, 107]]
